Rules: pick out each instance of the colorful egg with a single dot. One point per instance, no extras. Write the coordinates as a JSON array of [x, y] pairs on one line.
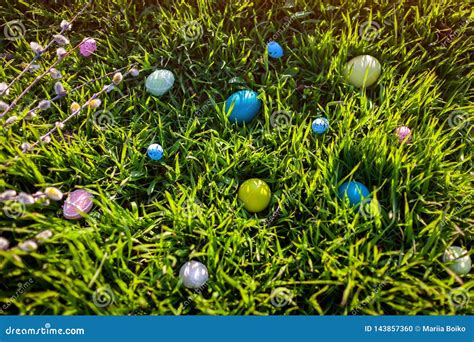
[[155, 151], [255, 194], [320, 125], [458, 259], [77, 204], [404, 134], [87, 47], [362, 71], [356, 192], [274, 50], [242, 106], [159, 82], [4, 244], [194, 274]]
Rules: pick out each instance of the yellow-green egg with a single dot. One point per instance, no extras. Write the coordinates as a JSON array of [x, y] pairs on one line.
[[362, 71], [255, 194]]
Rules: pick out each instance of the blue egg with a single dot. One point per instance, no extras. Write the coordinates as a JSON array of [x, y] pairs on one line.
[[274, 50], [356, 192], [320, 125], [155, 151], [242, 106]]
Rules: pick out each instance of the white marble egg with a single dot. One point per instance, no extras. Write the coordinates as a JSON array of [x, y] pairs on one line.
[[194, 274], [458, 259]]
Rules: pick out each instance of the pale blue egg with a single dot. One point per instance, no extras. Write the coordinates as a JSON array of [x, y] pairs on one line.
[[320, 125], [356, 192], [242, 106], [159, 82], [274, 50], [155, 152]]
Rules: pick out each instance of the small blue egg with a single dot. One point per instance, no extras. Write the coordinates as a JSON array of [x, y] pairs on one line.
[[242, 106], [274, 50], [356, 192], [155, 151], [320, 125]]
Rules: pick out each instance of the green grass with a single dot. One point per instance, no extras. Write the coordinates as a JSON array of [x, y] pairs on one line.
[[144, 225]]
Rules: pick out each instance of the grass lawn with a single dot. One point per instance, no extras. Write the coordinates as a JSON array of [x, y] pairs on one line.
[[309, 252]]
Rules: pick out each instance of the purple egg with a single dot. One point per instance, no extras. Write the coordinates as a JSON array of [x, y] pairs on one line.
[[87, 47], [77, 204]]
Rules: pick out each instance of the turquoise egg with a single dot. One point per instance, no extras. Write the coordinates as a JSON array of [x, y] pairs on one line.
[[356, 192], [242, 106]]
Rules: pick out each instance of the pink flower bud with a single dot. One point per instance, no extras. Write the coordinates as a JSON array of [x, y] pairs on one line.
[[44, 105], [59, 89], [3, 107], [61, 52], [60, 39], [65, 25], [134, 72], [75, 107], [4, 90], [55, 73], [11, 120], [38, 49]]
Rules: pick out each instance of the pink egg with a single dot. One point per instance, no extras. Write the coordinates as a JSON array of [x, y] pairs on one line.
[[87, 47], [403, 132], [77, 204]]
